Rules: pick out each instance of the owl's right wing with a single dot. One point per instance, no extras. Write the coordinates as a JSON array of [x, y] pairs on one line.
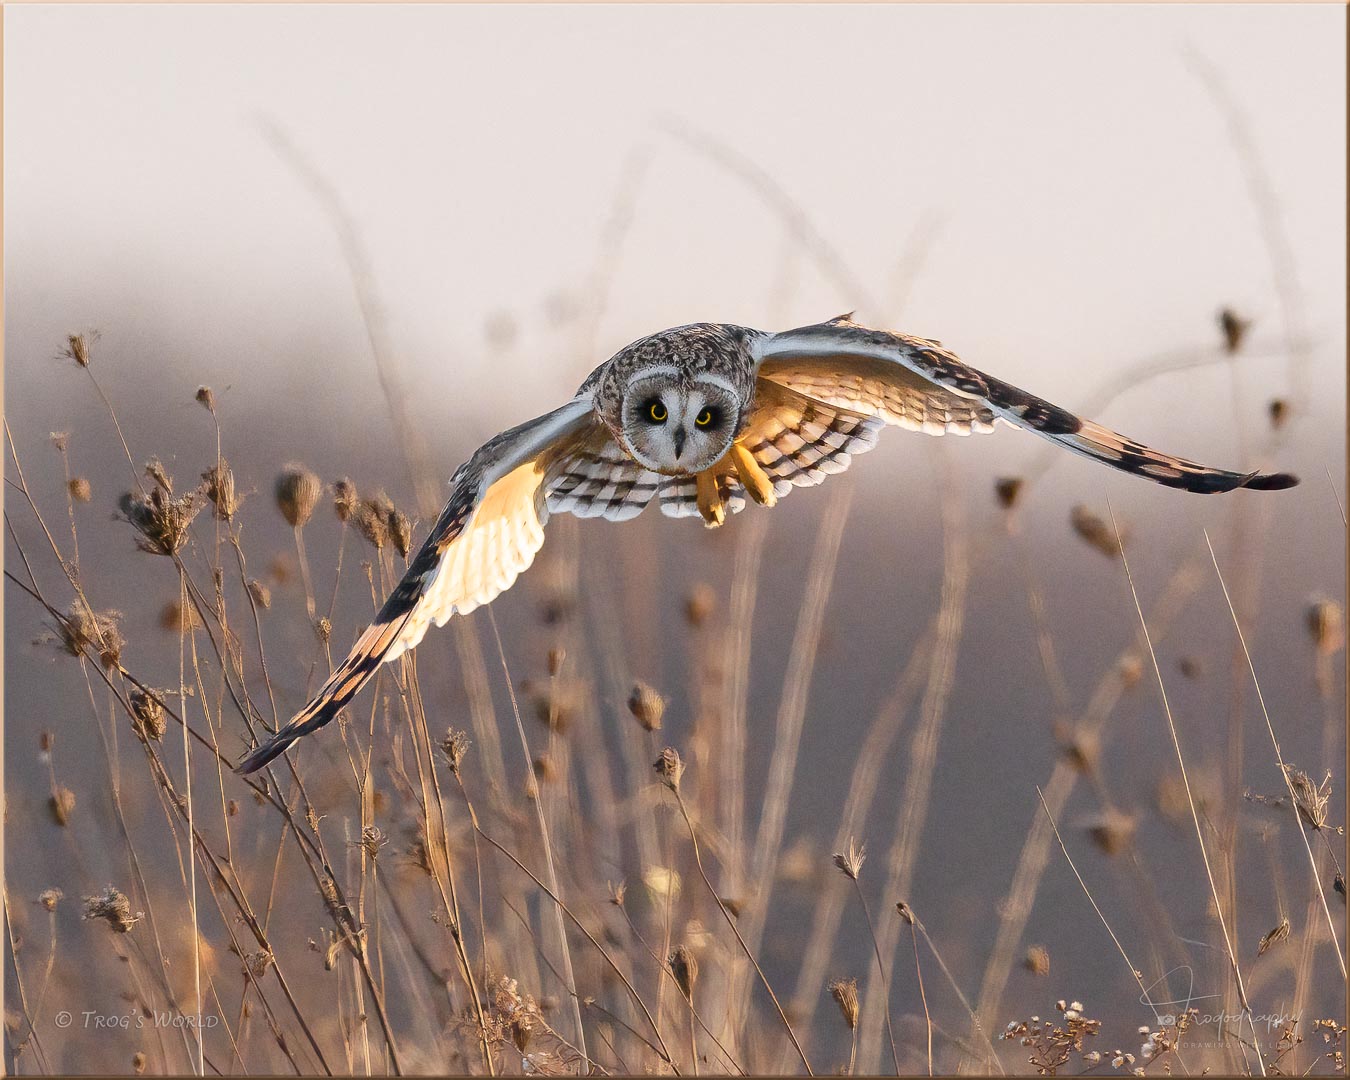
[[916, 383], [489, 532]]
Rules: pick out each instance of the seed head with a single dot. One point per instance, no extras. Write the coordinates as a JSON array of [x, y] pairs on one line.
[[400, 531], [219, 483], [371, 518], [1112, 831], [114, 908], [98, 631], [684, 966], [372, 839], [77, 348], [62, 805], [700, 604], [147, 715], [1234, 328], [617, 893], [845, 994], [455, 746], [297, 491], [1007, 489], [1192, 667], [647, 706], [206, 399], [906, 912], [162, 520], [1271, 937], [669, 768], [262, 595], [1096, 532], [344, 498], [851, 861], [1311, 800], [49, 898], [1037, 960], [79, 489], [1326, 624]]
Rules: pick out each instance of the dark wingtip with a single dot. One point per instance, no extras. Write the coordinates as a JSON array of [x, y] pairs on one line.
[[262, 755], [1272, 481]]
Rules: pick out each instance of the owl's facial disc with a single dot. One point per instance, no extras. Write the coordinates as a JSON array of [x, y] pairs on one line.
[[677, 427]]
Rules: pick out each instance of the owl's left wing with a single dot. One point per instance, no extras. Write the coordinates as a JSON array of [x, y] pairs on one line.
[[916, 383]]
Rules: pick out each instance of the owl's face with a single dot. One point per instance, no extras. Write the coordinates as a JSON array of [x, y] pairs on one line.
[[679, 427]]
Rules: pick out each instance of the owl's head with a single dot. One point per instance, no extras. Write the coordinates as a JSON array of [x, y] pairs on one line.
[[678, 425]]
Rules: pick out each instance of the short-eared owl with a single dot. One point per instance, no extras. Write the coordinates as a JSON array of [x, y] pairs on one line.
[[701, 418]]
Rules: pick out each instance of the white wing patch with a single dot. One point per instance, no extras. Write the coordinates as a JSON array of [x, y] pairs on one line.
[[498, 545]]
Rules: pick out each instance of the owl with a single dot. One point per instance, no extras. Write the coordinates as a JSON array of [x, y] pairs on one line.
[[702, 419]]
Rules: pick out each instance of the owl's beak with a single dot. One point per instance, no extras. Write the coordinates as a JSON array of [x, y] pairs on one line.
[[679, 442]]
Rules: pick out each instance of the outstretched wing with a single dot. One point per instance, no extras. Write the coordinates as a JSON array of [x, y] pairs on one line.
[[913, 382], [488, 533]]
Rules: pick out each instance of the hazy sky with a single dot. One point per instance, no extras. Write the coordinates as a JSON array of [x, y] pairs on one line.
[[1076, 198]]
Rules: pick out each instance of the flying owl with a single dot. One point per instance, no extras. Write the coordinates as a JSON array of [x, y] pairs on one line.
[[702, 418]]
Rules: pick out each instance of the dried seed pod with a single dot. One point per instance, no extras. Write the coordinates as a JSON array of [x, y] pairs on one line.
[[1278, 410], [98, 631], [1234, 328], [62, 805], [1112, 831], [371, 518], [1271, 937], [114, 908], [684, 966], [1096, 532], [700, 604], [147, 715], [1007, 489], [845, 994], [669, 768], [1326, 624], [647, 706], [206, 399], [851, 861], [455, 746], [344, 498], [297, 492], [1037, 960], [162, 520], [77, 348], [262, 595], [219, 481], [1310, 799], [49, 898], [79, 489], [400, 531]]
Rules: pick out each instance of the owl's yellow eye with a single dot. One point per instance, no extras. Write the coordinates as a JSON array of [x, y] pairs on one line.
[[704, 418], [657, 412]]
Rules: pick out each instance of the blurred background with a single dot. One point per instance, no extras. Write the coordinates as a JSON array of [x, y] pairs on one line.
[[365, 227]]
